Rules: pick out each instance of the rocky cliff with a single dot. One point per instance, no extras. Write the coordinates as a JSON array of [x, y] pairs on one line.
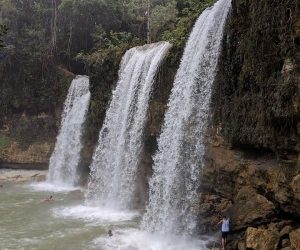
[[28, 134], [253, 167]]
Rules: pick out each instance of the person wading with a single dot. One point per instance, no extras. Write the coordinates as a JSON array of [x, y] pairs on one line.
[[224, 230]]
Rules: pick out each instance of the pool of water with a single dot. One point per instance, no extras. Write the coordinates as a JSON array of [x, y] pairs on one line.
[[28, 222]]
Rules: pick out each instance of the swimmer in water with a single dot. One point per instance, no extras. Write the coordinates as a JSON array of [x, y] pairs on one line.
[[50, 198], [110, 233]]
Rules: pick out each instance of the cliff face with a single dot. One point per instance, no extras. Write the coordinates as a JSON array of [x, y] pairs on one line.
[[256, 99], [27, 141], [253, 166], [255, 189], [28, 135]]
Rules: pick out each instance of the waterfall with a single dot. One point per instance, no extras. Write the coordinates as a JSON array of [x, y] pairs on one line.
[[116, 158], [66, 155], [178, 161]]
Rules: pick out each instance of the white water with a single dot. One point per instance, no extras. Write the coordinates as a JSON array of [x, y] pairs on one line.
[[177, 164], [116, 158], [66, 155], [133, 239], [29, 223], [96, 215]]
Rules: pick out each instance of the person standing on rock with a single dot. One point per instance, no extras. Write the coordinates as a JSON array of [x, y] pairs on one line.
[[224, 230]]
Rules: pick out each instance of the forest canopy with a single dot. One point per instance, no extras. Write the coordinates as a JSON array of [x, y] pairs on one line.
[[44, 36], [66, 28]]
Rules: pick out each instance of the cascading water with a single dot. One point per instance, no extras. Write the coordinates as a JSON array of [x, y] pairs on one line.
[[116, 158], [66, 155], [177, 164]]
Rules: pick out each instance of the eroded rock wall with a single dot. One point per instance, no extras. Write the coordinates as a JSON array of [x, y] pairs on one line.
[[27, 136], [253, 167], [256, 99], [255, 189]]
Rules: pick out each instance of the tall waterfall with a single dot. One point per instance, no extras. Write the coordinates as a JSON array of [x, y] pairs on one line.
[[116, 158], [66, 155], [178, 161]]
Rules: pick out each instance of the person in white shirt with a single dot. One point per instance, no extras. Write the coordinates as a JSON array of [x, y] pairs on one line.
[[224, 230]]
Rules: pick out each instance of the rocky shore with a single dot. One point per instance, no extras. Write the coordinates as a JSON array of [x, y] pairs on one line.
[[8, 175]]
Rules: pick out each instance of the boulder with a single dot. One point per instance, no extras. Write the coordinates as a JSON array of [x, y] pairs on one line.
[[37, 152], [241, 245], [273, 227], [250, 208], [39, 178], [277, 184], [288, 66], [22, 175], [285, 243], [295, 239], [285, 231], [261, 239], [222, 166], [296, 187]]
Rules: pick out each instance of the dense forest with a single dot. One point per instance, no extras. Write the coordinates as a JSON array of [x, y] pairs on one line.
[[44, 37], [47, 42]]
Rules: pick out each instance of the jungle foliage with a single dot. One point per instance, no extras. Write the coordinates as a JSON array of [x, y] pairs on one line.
[[46, 38]]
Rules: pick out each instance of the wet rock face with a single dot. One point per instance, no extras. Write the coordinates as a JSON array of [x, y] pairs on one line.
[[254, 189], [252, 162], [28, 133], [295, 239], [27, 140], [154, 120], [36, 154], [250, 207], [296, 191], [22, 176], [261, 239], [256, 95]]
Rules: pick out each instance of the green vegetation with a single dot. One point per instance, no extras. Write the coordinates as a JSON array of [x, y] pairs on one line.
[[47, 39], [187, 13], [64, 31], [257, 106], [171, 21], [4, 141]]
